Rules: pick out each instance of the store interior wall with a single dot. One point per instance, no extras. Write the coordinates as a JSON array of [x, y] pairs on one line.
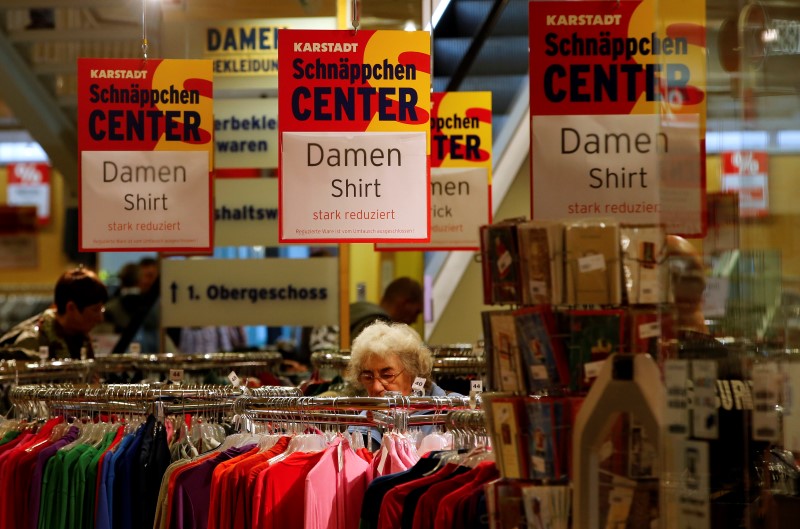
[[50, 241]]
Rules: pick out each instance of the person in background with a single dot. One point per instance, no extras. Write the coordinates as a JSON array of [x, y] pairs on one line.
[[79, 299], [402, 302], [736, 463], [125, 303], [687, 283], [389, 357], [149, 333]]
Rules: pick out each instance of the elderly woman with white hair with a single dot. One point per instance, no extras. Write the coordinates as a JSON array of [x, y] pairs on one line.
[[390, 357]]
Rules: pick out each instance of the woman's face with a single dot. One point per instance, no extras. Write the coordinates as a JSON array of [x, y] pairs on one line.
[[381, 374]]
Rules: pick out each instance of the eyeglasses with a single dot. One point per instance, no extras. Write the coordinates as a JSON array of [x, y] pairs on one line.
[[385, 378]]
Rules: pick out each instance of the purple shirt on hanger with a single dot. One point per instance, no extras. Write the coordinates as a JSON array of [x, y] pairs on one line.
[[38, 472], [192, 492]]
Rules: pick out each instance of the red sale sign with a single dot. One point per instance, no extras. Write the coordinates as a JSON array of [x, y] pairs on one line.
[[29, 185], [354, 111], [145, 131], [745, 173]]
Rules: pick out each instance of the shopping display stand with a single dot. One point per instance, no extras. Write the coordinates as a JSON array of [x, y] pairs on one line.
[[626, 384]]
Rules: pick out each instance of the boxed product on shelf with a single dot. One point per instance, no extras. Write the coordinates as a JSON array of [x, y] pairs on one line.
[[644, 270], [652, 331], [593, 335], [593, 267], [548, 435], [503, 351], [541, 248], [543, 355], [505, 417], [500, 263]]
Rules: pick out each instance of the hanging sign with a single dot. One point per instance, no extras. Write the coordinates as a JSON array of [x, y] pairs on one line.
[[275, 292], [745, 172], [246, 133], [29, 185], [354, 133], [461, 172], [243, 52], [145, 140], [246, 211], [617, 112]]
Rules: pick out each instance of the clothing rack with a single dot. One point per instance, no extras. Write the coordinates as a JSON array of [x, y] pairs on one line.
[[135, 397], [457, 359], [393, 411], [330, 359], [16, 371], [452, 350], [466, 420], [196, 362], [459, 364]]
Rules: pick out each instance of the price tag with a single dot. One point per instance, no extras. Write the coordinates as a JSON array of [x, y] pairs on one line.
[[650, 330], [538, 288], [234, 378], [176, 375], [476, 386], [418, 387], [592, 369], [44, 353], [648, 290], [539, 372], [475, 390], [135, 348], [590, 263]]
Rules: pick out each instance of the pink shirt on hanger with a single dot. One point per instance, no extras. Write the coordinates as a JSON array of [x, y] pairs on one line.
[[335, 489]]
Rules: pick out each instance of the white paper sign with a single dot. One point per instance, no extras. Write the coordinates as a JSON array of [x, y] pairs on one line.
[[616, 166], [354, 187], [766, 398], [591, 263], [459, 206], [693, 495], [791, 406], [145, 200], [578, 174], [650, 330], [715, 297], [705, 417], [274, 291], [676, 375]]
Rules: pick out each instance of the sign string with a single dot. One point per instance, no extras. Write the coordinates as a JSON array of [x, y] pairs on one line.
[[356, 15], [144, 29]]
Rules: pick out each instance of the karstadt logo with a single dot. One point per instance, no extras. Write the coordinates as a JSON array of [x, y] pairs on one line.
[[117, 74]]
